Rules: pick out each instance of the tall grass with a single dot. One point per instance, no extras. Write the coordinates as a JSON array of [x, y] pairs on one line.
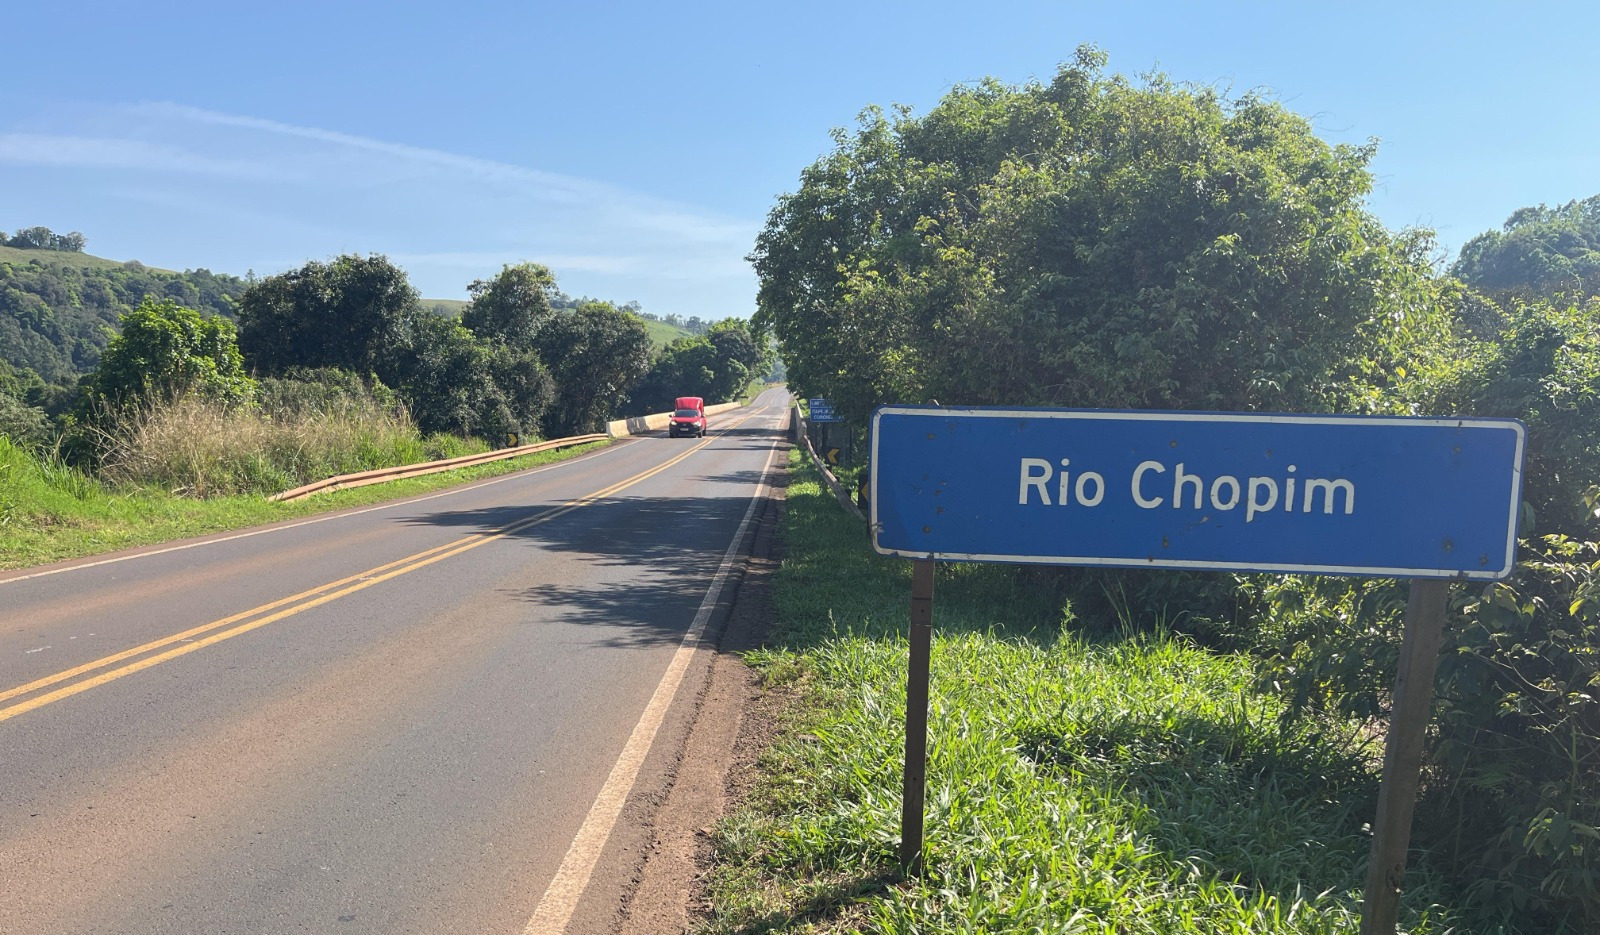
[[1126, 785], [198, 448], [49, 511]]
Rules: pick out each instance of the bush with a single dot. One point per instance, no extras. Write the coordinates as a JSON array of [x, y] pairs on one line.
[[199, 448], [1511, 797]]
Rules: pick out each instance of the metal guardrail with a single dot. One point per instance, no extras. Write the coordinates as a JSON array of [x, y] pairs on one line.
[[617, 429], [378, 476], [839, 491]]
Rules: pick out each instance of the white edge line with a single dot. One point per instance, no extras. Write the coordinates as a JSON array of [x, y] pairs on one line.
[[316, 519], [560, 899]]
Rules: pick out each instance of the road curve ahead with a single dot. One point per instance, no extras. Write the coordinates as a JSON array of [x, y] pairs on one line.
[[412, 718]]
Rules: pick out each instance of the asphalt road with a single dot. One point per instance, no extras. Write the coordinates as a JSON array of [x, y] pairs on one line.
[[397, 719]]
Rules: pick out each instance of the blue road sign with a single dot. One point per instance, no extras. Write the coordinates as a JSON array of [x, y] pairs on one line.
[[1344, 495], [821, 410]]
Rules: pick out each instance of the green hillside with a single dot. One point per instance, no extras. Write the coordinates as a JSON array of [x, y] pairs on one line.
[[662, 334], [76, 260], [445, 308], [59, 309]]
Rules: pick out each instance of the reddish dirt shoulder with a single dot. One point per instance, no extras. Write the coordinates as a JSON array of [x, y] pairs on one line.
[[731, 727]]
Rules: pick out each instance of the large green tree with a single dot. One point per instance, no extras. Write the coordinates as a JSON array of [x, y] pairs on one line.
[[716, 366], [1089, 242], [513, 306], [346, 313], [596, 354], [454, 382]]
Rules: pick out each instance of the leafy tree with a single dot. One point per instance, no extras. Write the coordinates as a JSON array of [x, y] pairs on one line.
[[685, 367], [43, 238], [741, 356], [346, 313], [596, 354], [526, 390], [512, 307], [453, 382], [20, 419], [24, 424], [166, 351], [716, 366], [1089, 242], [1539, 253]]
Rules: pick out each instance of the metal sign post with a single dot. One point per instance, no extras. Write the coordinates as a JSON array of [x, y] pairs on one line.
[[1302, 494], [916, 771]]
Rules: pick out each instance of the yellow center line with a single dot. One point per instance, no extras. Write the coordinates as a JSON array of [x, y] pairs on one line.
[[308, 599]]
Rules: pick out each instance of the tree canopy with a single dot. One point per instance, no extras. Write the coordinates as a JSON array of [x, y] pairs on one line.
[[513, 306], [1087, 242], [716, 366], [596, 354], [56, 316], [43, 238], [166, 350], [346, 313], [1540, 252]]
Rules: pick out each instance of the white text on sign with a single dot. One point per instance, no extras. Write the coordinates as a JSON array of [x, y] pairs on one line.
[[1150, 490]]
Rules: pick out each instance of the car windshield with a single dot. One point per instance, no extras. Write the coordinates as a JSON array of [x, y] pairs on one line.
[[687, 413]]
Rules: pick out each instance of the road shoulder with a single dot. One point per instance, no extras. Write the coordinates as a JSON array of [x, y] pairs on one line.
[[728, 733]]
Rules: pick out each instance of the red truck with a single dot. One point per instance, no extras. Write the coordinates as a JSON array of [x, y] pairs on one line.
[[688, 417]]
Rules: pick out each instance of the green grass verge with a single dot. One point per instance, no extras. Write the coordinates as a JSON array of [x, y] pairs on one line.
[[49, 513], [1133, 785]]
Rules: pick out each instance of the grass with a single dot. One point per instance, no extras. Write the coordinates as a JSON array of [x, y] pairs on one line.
[[199, 448], [661, 333], [49, 512], [1129, 785]]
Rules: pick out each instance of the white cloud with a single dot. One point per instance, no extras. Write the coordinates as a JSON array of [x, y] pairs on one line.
[[244, 189], [78, 152]]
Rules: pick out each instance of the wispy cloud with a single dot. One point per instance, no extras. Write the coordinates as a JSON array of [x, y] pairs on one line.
[[247, 188], [644, 211], [81, 152]]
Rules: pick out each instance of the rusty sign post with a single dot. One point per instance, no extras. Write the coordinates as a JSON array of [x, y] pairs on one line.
[[1402, 755]]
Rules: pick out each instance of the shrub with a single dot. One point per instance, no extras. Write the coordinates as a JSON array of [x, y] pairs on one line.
[[199, 448]]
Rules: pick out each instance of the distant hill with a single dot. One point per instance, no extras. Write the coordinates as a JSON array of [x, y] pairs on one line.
[[79, 260], [662, 334], [445, 308], [59, 309]]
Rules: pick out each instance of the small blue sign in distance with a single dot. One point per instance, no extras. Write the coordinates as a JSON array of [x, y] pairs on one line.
[[821, 410], [1341, 495]]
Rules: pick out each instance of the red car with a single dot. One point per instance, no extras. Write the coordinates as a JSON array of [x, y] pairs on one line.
[[688, 417]]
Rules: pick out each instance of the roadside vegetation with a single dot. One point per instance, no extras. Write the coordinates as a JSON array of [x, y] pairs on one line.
[[50, 511], [1085, 775], [1105, 242], [224, 390]]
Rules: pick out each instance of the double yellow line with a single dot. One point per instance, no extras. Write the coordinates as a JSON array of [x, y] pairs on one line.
[[218, 630]]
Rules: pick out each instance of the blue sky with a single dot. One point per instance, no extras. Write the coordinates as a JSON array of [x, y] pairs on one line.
[[636, 147]]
